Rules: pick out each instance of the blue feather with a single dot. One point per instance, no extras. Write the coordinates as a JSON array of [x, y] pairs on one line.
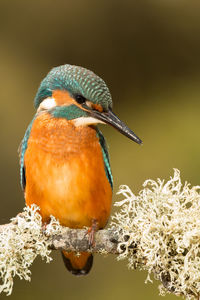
[[105, 156], [22, 153], [75, 80]]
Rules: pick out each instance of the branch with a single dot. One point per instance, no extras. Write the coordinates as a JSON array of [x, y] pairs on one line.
[[157, 231], [22, 240], [77, 240]]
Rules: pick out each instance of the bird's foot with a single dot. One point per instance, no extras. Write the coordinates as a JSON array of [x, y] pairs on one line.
[[44, 227], [91, 233]]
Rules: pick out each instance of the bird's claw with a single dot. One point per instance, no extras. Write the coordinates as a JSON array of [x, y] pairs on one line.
[[91, 233]]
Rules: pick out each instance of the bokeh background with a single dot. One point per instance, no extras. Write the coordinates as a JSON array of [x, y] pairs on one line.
[[148, 53]]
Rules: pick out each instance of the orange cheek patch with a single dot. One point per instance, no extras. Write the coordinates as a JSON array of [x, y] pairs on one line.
[[63, 98], [97, 107]]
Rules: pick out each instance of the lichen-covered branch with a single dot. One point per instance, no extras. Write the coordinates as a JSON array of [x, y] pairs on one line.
[[158, 231], [77, 240], [22, 240]]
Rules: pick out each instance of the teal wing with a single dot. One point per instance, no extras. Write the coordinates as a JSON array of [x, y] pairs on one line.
[[22, 151], [105, 157]]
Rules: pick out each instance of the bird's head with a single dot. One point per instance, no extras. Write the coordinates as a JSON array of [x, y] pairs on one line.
[[78, 94]]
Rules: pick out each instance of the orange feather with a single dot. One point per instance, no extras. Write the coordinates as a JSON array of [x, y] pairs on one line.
[[65, 173]]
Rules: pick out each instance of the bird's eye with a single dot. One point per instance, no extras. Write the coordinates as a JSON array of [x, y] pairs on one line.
[[80, 99]]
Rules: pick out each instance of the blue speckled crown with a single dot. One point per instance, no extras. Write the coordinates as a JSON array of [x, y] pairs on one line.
[[76, 80]]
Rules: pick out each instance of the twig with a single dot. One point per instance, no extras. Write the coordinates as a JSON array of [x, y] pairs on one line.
[[77, 240]]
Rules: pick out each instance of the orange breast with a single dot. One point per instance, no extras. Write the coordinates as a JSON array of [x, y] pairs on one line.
[[65, 173]]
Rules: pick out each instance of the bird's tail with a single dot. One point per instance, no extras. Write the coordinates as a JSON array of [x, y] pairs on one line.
[[78, 264]]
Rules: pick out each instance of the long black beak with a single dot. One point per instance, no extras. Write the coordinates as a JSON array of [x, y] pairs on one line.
[[110, 118]]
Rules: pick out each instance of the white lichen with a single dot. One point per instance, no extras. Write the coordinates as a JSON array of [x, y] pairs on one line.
[[160, 231], [21, 244]]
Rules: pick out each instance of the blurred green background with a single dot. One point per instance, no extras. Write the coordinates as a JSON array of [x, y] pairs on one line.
[[148, 54]]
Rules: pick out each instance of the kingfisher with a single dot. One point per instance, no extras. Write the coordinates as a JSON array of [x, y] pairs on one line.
[[64, 160]]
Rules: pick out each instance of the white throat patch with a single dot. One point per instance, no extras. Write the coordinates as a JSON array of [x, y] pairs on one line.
[[85, 121], [50, 103], [47, 104]]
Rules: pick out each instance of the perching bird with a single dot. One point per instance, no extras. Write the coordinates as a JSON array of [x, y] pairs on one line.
[[65, 167]]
